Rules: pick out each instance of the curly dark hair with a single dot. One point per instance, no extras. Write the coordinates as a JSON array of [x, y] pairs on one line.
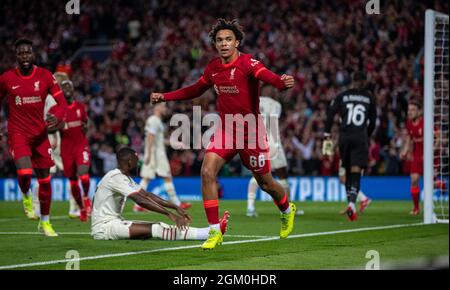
[[21, 41], [232, 25]]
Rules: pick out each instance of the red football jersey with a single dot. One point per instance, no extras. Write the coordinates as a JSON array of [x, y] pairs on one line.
[[235, 84], [26, 100], [72, 133], [415, 131]]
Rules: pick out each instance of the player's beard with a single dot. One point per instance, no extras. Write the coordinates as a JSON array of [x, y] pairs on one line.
[[134, 171]]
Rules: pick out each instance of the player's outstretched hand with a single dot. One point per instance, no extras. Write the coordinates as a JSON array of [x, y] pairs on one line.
[[156, 98], [184, 214], [288, 81], [181, 222]]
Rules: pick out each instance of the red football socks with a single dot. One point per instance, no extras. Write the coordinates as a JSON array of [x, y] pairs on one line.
[[212, 211], [24, 179], [85, 182], [45, 195], [76, 193], [283, 204], [415, 194]]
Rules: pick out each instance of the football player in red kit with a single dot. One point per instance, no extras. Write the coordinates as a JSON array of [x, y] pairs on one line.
[[26, 88], [235, 77], [75, 153], [414, 144]]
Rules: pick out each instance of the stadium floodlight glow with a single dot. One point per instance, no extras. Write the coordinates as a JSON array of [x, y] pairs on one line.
[[436, 118]]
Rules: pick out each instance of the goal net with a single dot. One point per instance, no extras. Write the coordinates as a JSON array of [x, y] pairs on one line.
[[436, 118]]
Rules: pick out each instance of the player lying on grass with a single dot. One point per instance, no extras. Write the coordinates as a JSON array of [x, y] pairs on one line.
[[109, 200]]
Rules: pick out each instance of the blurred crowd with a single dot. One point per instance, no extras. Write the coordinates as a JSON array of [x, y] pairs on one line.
[[158, 46]]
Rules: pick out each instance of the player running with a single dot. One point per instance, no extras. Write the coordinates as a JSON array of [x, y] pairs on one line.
[[75, 153], [235, 77], [55, 142], [110, 198], [155, 157], [26, 88], [357, 110], [271, 112]]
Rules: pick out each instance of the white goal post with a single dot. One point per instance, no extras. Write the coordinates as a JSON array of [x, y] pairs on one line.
[[436, 118]]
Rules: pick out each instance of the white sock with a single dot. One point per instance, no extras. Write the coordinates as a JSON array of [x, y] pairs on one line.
[[288, 210], [36, 204], [352, 205], [171, 233], [45, 218], [73, 206], [361, 196], [285, 184], [251, 195], [170, 189], [215, 227], [144, 183]]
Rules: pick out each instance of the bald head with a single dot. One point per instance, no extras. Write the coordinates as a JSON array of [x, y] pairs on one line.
[[60, 77], [125, 154]]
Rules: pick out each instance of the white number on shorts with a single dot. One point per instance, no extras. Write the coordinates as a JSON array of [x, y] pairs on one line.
[[85, 156], [257, 162], [50, 153]]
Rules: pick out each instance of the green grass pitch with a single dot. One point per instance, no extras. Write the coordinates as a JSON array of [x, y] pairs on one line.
[[332, 243]]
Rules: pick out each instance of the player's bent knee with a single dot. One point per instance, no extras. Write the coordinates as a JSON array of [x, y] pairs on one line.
[[208, 175]]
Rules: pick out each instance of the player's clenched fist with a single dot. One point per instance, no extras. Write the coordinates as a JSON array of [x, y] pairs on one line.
[[288, 81], [156, 98]]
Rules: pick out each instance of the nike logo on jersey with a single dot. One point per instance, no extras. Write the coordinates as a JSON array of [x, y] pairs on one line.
[[15, 87], [215, 74]]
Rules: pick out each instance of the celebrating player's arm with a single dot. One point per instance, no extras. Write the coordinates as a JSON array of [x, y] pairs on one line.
[[254, 67]]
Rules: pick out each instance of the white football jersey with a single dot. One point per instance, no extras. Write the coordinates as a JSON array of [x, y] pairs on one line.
[[271, 112], [56, 137], [49, 103], [154, 126], [111, 195]]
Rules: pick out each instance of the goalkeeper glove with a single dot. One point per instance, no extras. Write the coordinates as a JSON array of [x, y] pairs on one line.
[[327, 147]]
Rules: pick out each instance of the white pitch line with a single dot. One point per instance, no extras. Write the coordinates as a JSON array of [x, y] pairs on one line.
[[40, 234], [61, 217], [88, 233], [196, 246]]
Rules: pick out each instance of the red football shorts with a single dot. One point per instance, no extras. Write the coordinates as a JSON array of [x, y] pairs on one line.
[[252, 148], [417, 165], [74, 157], [37, 148]]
